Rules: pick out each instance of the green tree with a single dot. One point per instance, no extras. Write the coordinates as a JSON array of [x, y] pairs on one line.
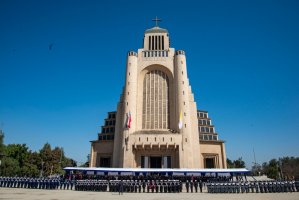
[[289, 167], [229, 163], [2, 146], [16, 155], [2, 149], [271, 169], [53, 161], [239, 163], [10, 167]]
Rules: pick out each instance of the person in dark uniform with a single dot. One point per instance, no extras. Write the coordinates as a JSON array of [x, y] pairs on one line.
[[165, 187], [143, 185], [153, 186], [187, 185], [196, 186], [297, 185], [148, 185], [135, 186], [200, 186], [139, 186], [120, 187]]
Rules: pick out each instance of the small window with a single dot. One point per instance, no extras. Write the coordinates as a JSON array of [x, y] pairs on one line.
[[185, 139]]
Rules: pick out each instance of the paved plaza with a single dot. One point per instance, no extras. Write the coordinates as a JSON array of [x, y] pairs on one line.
[[33, 194]]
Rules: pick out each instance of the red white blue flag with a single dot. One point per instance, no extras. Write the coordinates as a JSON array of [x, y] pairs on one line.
[[129, 119]]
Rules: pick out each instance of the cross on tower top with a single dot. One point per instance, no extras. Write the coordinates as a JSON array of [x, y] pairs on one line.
[[156, 20]]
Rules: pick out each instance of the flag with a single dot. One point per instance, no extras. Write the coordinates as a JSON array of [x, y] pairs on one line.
[[129, 120], [181, 120]]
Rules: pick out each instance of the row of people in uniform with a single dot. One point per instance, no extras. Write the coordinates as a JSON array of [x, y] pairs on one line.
[[253, 187], [36, 183], [92, 185], [153, 186], [194, 185]]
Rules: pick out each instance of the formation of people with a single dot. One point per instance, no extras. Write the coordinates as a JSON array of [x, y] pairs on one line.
[[37, 183], [153, 186], [253, 187], [150, 184], [194, 185]]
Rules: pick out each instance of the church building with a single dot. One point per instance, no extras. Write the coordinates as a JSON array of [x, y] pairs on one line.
[[157, 123]]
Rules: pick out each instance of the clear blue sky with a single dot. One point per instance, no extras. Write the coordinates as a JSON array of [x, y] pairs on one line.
[[242, 59]]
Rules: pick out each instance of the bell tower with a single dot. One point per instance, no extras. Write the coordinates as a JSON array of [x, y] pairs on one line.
[[156, 124]]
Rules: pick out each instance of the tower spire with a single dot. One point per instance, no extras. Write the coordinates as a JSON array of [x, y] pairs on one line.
[[156, 20]]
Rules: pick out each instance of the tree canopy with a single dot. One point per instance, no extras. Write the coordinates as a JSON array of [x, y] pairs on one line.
[[239, 163], [19, 160], [283, 168]]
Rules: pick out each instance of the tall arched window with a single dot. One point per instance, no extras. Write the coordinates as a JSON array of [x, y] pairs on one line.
[[155, 108]]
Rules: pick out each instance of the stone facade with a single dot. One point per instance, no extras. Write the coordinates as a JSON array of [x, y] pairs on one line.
[[157, 97]]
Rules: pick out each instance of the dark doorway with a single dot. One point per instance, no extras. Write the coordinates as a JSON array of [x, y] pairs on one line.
[[105, 162], [155, 162], [209, 163]]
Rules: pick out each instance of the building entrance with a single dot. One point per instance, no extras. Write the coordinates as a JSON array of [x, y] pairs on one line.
[[209, 163], [155, 162]]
